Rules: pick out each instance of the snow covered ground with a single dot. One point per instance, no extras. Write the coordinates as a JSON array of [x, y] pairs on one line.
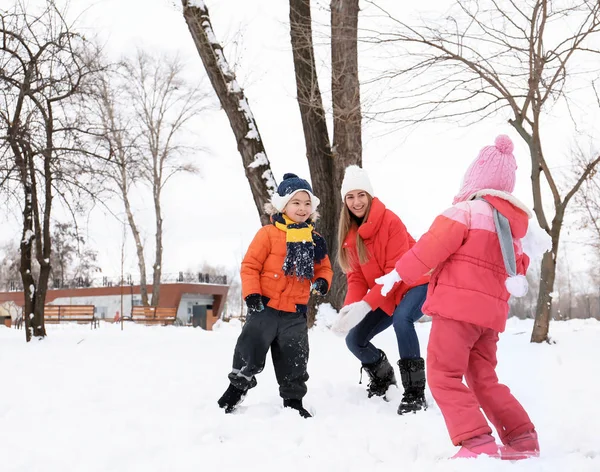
[[145, 400]]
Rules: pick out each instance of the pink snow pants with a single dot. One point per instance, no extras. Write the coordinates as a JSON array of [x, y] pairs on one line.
[[457, 349]]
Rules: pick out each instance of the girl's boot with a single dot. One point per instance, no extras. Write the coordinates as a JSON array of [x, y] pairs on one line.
[[522, 447], [483, 444]]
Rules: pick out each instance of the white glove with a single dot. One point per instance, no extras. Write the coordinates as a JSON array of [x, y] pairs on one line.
[[388, 281], [350, 316], [336, 327]]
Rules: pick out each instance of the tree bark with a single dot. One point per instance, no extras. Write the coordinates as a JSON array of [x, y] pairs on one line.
[[543, 312], [541, 324], [34, 320], [316, 138], [234, 102], [157, 268], [347, 116], [139, 247]]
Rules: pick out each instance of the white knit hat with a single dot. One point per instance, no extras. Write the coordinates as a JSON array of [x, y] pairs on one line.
[[356, 178], [290, 186]]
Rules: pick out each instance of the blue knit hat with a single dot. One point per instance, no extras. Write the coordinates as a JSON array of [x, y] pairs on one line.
[[290, 186]]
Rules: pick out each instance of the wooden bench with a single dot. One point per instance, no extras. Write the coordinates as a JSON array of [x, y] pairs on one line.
[[77, 313], [154, 315]]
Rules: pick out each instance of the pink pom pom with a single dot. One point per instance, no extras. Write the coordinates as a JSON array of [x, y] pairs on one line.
[[504, 144]]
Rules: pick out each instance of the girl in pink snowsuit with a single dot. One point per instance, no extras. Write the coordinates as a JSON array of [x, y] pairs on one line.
[[470, 248]]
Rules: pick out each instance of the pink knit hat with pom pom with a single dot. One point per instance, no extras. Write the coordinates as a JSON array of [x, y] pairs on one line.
[[494, 168]]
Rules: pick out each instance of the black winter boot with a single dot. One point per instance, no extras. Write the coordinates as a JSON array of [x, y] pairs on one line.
[[232, 397], [296, 405], [412, 372], [381, 376]]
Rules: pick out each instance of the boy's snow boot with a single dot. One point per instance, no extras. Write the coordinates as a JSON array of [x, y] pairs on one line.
[[474, 447], [381, 376], [296, 405], [522, 447], [232, 397], [412, 372]]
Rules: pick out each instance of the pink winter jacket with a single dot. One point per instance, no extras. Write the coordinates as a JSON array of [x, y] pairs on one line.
[[468, 283]]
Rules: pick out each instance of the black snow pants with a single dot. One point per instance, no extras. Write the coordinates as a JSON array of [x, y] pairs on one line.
[[287, 335]]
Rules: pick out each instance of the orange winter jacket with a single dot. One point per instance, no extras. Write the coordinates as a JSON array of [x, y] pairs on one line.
[[262, 272]]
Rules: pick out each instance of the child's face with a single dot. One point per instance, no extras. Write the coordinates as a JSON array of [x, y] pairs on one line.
[[357, 202], [299, 208]]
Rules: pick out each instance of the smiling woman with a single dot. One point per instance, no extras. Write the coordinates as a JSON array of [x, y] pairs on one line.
[[369, 236]]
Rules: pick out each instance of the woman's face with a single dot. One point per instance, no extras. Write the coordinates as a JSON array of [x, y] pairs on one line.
[[357, 202]]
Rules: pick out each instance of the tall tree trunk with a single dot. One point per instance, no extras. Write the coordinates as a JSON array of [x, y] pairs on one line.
[[316, 137], [139, 247], [234, 102], [345, 87], [44, 238], [543, 312], [34, 232], [157, 268], [30, 316]]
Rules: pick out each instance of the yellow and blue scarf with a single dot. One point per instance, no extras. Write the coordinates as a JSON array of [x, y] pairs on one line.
[[304, 246]]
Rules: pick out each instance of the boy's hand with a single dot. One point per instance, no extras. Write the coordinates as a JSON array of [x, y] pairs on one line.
[[254, 302], [319, 287], [388, 281]]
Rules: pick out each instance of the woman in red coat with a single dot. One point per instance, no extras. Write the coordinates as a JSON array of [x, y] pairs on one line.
[[371, 238]]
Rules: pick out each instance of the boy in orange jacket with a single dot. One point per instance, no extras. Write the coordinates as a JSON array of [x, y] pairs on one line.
[[285, 262]]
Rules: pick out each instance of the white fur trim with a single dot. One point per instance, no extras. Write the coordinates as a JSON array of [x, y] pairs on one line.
[[517, 285], [280, 202], [271, 210], [356, 178], [504, 195]]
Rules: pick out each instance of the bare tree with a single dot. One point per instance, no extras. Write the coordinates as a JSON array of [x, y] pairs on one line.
[[345, 87], [234, 102], [123, 170], [327, 168], [347, 115], [164, 103], [142, 110], [509, 57], [44, 66]]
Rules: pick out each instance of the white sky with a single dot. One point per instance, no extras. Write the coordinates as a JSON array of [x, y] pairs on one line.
[[211, 217]]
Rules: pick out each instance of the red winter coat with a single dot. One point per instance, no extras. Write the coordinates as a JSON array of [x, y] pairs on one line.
[[468, 283], [386, 239]]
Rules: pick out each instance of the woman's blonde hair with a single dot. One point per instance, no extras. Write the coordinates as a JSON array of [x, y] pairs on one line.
[[347, 221]]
